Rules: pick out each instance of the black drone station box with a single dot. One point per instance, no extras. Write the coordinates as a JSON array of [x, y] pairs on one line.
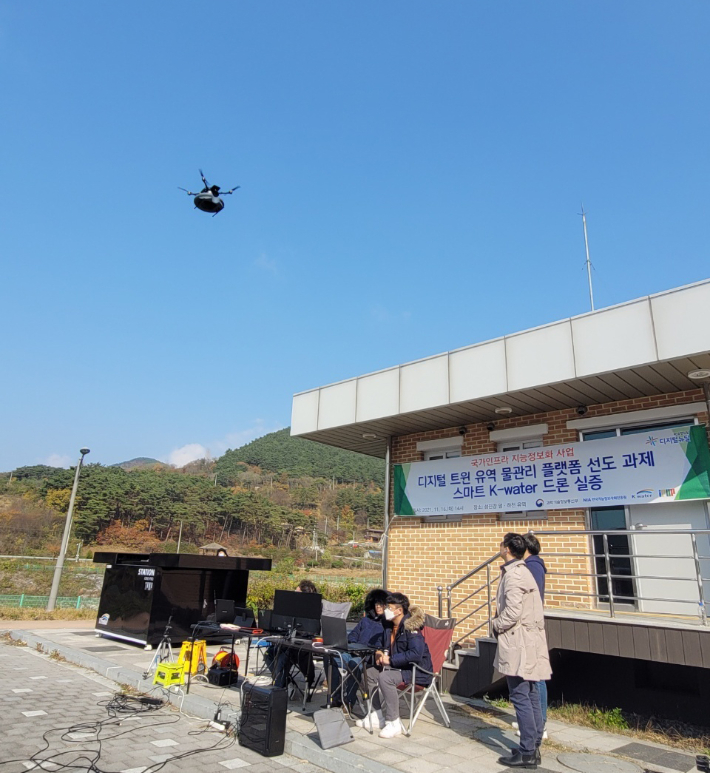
[[142, 591]]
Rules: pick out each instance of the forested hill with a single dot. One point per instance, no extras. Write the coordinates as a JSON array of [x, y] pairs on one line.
[[271, 492], [278, 452]]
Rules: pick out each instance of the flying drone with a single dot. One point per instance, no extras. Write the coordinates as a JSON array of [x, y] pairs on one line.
[[209, 198]]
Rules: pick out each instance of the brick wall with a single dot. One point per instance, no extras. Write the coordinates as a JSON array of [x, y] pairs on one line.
[[423, 556]]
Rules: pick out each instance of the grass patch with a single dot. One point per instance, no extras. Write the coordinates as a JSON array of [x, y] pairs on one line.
[[35, 613], [7, 639], [499, 703], [680, 735]]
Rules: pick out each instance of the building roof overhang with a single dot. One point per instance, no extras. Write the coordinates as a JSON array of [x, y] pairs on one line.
[[640, 348]]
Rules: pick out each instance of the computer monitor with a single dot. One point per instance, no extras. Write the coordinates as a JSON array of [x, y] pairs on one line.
[[303, 606], [223, 610]]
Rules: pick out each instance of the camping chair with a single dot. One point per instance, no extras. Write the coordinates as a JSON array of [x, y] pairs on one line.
[[339, 609], [437, 633]]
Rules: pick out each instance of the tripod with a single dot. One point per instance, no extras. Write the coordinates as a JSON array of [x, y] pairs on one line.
[[163, 653]]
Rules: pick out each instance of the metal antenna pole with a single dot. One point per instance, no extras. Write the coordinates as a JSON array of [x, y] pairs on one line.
[[65, 538], [589, 262]]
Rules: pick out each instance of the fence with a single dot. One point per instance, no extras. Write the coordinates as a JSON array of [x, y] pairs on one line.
[[40, 602]]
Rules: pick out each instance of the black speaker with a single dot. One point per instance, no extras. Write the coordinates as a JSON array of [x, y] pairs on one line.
[[262, 724], [222, 677]]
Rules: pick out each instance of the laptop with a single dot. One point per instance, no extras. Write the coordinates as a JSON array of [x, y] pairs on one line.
[[335, 634], [244, 617]]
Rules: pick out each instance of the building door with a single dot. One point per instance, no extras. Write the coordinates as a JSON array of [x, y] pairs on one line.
[[610, 519], [670, 556]]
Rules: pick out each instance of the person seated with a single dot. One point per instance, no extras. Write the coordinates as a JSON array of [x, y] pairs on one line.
[[280, 659], [370, 631], [404, 647]]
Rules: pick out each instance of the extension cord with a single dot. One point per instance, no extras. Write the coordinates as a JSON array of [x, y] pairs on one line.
[[222, 727], [150, 701]]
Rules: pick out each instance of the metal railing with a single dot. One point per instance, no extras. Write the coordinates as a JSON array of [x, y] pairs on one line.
[[601, 599]]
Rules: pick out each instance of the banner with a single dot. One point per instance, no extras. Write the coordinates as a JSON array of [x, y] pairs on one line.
[[648, 467]]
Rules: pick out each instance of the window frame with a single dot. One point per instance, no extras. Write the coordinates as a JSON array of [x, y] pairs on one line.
[[520, 445]]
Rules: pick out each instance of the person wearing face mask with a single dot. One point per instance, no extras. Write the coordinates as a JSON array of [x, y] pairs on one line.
[[404, 647], [522, 655], [370, 631]]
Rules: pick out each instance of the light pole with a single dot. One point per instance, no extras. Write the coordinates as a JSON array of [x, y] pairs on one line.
[[65, 537]]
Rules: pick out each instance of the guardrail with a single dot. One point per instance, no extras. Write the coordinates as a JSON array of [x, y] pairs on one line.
[[40, 602], [605, 598]]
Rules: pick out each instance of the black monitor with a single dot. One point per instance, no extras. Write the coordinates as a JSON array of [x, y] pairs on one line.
[[302, 606], [224, 610]]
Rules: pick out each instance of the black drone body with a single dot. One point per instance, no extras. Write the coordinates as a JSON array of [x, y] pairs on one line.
[[209, 198]]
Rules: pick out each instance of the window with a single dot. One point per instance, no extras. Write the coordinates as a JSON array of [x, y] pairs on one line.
[[603, 434], [615, 518], [441, 453], [521, 515]]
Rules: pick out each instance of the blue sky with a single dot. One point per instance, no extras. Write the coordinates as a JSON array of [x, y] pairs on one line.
[[410, 175]]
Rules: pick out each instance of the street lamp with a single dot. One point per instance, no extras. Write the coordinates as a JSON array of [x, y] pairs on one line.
[[65, 537]]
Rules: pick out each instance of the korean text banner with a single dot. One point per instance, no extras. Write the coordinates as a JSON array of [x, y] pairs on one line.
[[649, 467]]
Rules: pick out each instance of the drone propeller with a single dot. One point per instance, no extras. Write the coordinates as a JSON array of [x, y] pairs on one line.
[[189, 193], [204, 179], [226, 193]]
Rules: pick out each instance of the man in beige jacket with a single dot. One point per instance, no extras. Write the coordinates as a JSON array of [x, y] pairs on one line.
[[522, 655]]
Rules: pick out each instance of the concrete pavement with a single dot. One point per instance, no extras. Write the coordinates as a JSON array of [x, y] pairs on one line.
[[473, 742]]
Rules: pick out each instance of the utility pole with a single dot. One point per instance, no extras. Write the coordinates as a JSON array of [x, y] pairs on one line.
[[179, 538], [589, 262], [65, 537]]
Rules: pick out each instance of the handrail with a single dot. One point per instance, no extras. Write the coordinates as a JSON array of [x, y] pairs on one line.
[[609, 596], [473, 571]]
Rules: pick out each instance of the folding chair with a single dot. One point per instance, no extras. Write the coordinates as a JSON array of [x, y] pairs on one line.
[[339, 609], [437, 633]]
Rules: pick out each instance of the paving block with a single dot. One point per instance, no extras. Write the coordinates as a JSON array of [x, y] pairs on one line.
[[234, 764]]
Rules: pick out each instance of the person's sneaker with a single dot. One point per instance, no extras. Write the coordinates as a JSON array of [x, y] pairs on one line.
[[516, 727], [391, 729], [372, 720]]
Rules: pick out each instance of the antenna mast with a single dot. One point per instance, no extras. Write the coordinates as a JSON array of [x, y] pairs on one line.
[[589, 262]]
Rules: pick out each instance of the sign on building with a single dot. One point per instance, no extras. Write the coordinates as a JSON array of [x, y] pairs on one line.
[[650, 467]]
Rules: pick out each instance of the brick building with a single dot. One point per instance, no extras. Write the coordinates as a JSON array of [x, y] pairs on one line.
[[642, 366]]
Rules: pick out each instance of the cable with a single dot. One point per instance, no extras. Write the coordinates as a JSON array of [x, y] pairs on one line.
[[119, 708]]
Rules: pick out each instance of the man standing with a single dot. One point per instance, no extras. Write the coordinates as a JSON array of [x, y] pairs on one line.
[[522, 655]]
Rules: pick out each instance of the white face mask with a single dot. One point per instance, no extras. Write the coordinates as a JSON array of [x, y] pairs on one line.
[[389, 614]]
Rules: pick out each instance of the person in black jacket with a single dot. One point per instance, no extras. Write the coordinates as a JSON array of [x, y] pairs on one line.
[[370, 631], [538, 570], [404, 647]]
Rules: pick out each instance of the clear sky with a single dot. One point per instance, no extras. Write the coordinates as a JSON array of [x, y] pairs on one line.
[[410, 172]]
